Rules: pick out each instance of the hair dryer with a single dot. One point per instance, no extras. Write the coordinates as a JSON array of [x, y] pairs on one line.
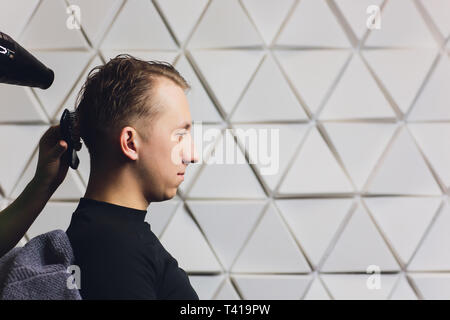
[[19, 67]]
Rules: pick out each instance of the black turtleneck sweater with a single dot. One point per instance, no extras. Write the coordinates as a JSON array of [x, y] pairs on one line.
[[120, 257]]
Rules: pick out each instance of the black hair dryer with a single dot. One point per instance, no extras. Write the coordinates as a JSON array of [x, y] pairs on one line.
[[19, 67]]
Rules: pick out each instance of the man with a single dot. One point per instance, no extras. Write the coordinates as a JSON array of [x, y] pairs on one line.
[[134, 118]]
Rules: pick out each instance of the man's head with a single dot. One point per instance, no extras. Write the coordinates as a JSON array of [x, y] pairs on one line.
[[133, 115]]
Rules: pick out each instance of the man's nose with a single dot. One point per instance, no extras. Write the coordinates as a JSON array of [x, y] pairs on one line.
[[191, 155]]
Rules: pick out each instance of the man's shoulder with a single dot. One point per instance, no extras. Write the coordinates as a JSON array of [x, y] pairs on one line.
[[175, 283]]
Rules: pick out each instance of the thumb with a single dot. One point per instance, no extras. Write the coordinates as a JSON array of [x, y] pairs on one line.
[[59, 149]]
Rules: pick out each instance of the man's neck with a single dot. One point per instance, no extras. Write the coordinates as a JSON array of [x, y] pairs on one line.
[[117, 188]]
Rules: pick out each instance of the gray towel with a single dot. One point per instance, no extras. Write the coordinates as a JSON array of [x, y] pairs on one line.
[[38, 270]]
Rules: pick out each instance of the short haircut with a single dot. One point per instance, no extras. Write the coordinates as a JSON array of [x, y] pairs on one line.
[[117, 94]]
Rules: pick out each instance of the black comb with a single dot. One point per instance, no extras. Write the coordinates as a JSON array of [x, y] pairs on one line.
[[67, 125]]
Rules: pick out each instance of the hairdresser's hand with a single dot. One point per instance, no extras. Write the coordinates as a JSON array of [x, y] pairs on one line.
[[52, 165], [50, 172]]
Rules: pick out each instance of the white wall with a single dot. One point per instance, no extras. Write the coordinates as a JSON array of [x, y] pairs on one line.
[[364, 122]]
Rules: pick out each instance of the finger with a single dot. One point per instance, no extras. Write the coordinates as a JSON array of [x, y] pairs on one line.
[[50, 136], [59, 149]]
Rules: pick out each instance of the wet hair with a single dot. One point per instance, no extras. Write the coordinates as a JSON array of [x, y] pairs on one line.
[[117, 94]]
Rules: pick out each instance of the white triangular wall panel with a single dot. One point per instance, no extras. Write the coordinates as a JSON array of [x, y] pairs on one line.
[[403, 220], [201, 106], [315, 170], [434, 252], [225, 24], [227, 72], [217, 218], [228, 172], [432, 139], [312, 72], [160, 213], [48, 29], [403, 170], [272, 155], [433, 101], [411, 32], [354, 10], [280, 104], [432, 286], [206, 286], [268, 15], [354, 286], [96, 16], [357, 96], [145, 31], [402, 72], [271, 248], [359, 246], [317, 291], [182, 15], [55, 215], [15, 15], [18, 144], [403, 290], [439, 10], [227, 292], [314, 222], [72, 188], [360, 146], [282, 287], [22, 105], [313, 15], [67, 67], [183, 240]]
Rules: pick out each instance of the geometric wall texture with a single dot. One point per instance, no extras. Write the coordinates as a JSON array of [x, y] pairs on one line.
[[364, 122]]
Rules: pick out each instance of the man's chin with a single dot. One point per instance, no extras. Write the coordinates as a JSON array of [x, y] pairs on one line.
[[170, 194], [164, 196]]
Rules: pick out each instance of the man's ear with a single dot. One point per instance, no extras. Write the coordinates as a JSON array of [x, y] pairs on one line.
[[129, 142]]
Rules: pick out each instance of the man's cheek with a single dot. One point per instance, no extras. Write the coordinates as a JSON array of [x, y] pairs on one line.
[[176, 153]]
